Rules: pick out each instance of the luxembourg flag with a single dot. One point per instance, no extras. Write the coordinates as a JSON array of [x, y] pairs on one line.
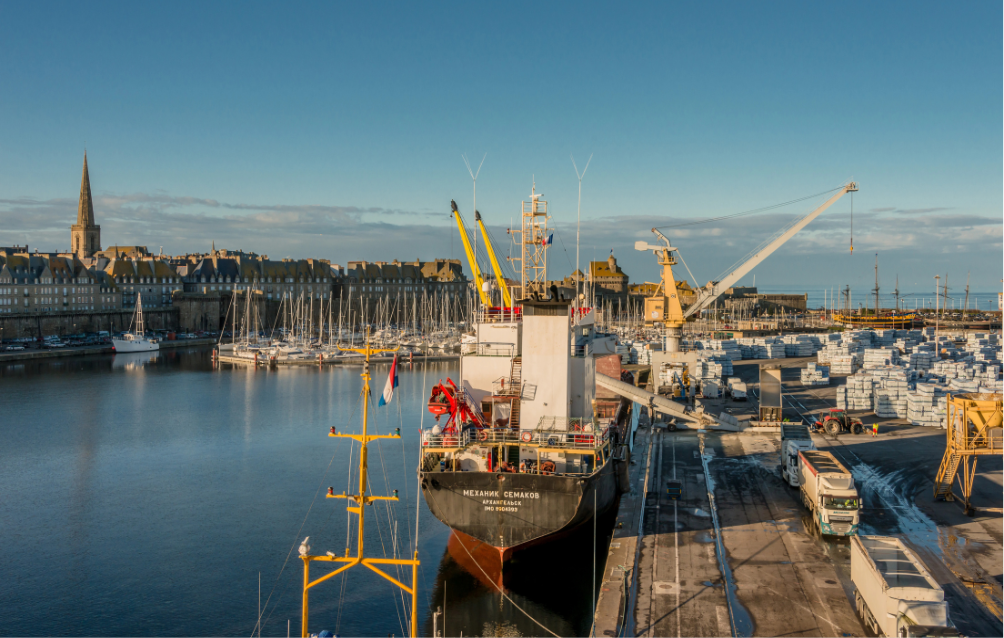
[[388, 390]]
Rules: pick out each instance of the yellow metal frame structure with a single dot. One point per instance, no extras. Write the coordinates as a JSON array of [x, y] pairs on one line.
[[471, 260], [973, 429], [361, 499], [496, 268]]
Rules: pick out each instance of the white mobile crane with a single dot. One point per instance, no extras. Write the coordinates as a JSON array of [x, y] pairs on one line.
[[666, 307]]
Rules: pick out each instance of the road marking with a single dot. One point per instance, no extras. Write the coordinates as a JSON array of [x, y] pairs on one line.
[[724, 626], [676, 539]]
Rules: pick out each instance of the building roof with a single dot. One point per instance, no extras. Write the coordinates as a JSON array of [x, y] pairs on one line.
[[85, 207], [608, 268]]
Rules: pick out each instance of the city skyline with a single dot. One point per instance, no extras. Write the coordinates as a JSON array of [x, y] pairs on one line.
[[340, 136]]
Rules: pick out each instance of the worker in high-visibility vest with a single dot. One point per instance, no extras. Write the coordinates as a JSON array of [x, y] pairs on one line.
[[875, 429]]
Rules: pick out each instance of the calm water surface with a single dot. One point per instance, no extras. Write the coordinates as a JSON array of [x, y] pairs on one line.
[[143, 495]]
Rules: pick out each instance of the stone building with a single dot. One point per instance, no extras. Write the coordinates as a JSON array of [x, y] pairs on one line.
[[51, 282], [607, 282], [366, 282], [227, 270]]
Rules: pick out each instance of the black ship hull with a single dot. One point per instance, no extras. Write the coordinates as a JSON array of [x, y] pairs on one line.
[[512, 511]]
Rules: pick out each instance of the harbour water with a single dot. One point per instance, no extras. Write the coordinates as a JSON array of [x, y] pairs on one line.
[[144, 493]]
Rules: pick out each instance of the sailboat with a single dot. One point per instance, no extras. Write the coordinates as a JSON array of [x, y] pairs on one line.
[[136, 340]]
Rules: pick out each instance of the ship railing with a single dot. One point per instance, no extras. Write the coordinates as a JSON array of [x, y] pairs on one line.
[[583, 350], [448, 440], [491, 349], [568, 433], [502, 387]]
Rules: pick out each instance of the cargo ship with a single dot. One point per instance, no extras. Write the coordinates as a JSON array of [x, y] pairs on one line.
[[521, 453]]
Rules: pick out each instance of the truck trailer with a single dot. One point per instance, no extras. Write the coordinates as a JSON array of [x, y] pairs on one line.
[[794, 439], [828, 492], [894, 593]]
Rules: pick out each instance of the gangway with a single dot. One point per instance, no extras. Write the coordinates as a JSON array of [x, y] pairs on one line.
[[973, 429], [666, 406]]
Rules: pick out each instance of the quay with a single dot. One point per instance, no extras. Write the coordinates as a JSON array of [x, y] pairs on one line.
[[326, 361], [26, 355], [736, 553]]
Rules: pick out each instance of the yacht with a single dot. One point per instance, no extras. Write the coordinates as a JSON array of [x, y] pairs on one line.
[[135, 340]]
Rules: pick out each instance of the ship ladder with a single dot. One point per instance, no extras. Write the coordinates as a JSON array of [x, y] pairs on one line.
[[516, 388], [515, 375]]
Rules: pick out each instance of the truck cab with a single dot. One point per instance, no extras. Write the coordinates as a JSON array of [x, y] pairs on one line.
[[828, 491], [795, 438]]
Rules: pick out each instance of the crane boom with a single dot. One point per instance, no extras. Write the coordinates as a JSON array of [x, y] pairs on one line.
[[496, 268], [709, 295], [470, 254]]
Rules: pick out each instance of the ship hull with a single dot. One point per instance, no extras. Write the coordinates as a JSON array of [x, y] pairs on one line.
[[511, 511], [138, 345]]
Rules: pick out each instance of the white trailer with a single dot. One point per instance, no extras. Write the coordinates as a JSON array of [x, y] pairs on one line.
[[894, 593], [737, 391], [828, 492], [794, 439]]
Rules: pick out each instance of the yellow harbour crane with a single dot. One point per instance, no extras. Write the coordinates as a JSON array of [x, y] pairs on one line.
[[665, 305]]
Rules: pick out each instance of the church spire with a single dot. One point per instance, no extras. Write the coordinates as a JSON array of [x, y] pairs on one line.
[[85, 235], [85, 208]]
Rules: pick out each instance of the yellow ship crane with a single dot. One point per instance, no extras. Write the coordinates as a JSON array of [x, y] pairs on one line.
[[496, 268], [470, 254], [357, 506]]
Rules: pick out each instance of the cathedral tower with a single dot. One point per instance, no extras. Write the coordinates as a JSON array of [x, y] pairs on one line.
[[85, 235]]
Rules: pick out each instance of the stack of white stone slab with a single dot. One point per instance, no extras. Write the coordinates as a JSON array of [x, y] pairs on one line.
[[921, 359], [876, 357], [884, 338], [860, 392], [814, 374], [891, 386], [729, 346], [843, 364], [926, 405], [800, 345]]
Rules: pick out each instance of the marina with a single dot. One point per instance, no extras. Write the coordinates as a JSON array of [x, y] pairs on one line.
[[502, 320]]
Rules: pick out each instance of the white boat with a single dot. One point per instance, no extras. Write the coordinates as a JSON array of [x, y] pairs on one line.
[[136, 340]]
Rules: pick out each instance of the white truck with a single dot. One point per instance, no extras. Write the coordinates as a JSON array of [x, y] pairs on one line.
[[794, 439], [894, 593], [737, 389], [828, 492]]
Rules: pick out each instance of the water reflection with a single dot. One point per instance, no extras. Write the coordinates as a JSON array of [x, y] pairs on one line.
[[144, 493], [548, 588]]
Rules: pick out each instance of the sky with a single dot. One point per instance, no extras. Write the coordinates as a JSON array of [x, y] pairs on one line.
[[337, 130]]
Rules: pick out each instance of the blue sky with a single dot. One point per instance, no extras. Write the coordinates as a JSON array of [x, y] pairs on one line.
[[336, 130]]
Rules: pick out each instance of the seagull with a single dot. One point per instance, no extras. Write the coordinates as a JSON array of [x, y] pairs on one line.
[[304, 547]]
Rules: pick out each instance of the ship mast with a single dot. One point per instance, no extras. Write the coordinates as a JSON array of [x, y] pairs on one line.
[[533, 244], [876, 287], [361, 500]]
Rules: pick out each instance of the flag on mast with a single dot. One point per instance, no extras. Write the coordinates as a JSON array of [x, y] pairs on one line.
[[388, 389]]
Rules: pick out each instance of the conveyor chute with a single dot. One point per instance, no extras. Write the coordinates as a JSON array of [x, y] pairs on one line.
[[664, 405]]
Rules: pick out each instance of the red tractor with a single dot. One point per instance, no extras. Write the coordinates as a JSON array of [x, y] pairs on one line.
[[838, 421]]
